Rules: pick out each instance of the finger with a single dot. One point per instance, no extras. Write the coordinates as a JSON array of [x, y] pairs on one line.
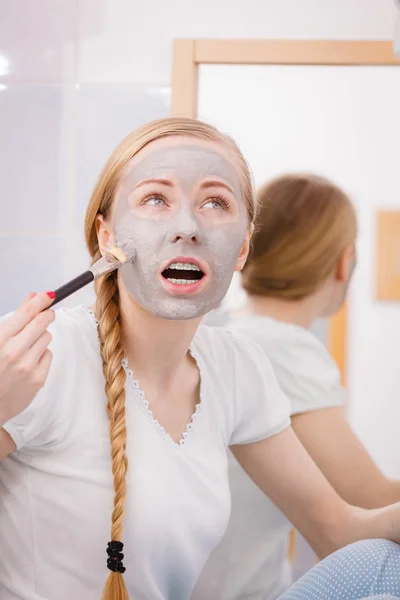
[[19, 345], [15, 349], [29, 297], [43, 368], [28, 310], [35, 353]]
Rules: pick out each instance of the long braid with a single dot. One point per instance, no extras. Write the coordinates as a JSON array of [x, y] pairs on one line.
[[112, 354]]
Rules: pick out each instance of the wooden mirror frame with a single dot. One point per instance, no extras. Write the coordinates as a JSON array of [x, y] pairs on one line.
[[188, 54]]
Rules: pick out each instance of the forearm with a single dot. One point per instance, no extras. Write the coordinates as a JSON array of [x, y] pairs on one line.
[[286, 473], [363, 491], [353, 525], [388, 493], [379, 523], [367, 488], [347, 465], [327, 532], [383, 493], [281, 467]]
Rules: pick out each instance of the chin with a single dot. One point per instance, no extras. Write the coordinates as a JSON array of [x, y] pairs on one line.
[[176, 316], [178, 311]]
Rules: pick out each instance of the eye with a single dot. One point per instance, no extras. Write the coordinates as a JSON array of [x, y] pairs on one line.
[[218, 202], [154, 200]]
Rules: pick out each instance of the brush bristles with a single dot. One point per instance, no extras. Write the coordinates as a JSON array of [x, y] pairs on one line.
[[118, 253], [123, 251]]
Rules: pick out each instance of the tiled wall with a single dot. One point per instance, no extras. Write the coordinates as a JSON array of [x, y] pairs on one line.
[[56, 132]]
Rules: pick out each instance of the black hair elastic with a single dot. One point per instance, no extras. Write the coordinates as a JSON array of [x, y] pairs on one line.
[[115, 556]]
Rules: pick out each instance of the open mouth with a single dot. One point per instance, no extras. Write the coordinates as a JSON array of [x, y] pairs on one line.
[[183, 273]]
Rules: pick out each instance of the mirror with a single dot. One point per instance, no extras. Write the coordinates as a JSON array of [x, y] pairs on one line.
[[331, 108]]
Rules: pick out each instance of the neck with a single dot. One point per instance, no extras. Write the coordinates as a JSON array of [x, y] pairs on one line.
[[299, 312], [156, 348]]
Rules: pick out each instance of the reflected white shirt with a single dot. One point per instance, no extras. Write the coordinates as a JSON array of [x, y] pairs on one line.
[[252, 559]]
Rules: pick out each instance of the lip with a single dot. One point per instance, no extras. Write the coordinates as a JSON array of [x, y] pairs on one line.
[[179, 289]]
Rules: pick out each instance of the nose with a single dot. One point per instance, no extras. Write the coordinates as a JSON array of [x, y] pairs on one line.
[[186, 227]]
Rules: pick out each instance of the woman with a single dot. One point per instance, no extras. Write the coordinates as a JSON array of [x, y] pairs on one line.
[[299, 269], [183, 193]]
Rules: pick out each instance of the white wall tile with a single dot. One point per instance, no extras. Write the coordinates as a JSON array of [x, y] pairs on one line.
[[37, 40], [106, 114], [77, 261], [29, 264], [32, 194]]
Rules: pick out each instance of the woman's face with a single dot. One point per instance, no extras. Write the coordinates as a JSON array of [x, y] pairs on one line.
[[180, 201]]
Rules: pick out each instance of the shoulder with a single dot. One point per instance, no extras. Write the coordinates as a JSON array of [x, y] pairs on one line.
[[299, 351], [268, 332], [224, 346], [305, 370], [286, 344], [252, 398], [78, 322], [74, 335]]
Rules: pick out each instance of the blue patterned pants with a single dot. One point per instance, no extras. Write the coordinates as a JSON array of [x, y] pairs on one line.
[[368, 569]]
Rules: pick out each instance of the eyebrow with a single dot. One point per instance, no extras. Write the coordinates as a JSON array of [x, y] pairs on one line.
[[217, 183], [156, 180]]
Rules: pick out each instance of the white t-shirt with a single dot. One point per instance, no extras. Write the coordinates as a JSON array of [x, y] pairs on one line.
[[252, 559], [56, 490]]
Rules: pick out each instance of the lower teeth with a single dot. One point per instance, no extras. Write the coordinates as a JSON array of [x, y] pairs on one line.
[[181, 281]]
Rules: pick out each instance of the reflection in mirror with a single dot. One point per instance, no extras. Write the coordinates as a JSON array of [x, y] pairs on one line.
[[341, 123]]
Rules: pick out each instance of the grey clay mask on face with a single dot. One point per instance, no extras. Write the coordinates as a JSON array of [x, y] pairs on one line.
[[184, 230]]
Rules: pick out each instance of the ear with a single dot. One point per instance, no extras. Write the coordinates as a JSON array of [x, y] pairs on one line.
[[346, 264], [244, 251], [105, 234]]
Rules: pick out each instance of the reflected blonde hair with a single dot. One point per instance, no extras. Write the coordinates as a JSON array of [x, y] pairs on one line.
[[305, 223], [107, 305]]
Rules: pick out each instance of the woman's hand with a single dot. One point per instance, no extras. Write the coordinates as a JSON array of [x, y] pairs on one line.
[[24, 356]]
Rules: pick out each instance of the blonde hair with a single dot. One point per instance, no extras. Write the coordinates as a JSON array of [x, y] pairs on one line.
[[108, 312], [305, 223]]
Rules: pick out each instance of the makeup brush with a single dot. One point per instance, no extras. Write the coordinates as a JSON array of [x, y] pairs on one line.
[[115, 257]]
